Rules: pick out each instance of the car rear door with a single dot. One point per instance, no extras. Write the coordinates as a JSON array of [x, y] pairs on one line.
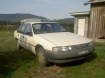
[[21, 37]]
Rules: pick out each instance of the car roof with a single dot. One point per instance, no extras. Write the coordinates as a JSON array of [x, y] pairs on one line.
[[33, 21]]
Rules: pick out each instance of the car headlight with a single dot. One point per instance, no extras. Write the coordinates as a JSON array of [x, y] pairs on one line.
[[58, 49]]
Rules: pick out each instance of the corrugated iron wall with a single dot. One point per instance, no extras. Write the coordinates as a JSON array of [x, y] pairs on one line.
[[97, 21]]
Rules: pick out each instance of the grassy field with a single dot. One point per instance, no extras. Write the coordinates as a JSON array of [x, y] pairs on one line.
[[22, 64]]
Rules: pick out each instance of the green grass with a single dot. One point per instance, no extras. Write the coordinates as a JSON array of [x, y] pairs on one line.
[[22, 64], [5, 34]]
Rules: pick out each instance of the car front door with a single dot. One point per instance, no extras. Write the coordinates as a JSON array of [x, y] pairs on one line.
[[29, 37]]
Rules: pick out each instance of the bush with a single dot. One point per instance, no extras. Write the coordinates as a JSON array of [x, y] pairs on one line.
[[8, 27]]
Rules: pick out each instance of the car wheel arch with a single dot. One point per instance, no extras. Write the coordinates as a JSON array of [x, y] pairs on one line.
[[37, 47]]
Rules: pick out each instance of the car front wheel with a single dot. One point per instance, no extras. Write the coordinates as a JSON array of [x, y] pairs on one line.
[[42, 57]]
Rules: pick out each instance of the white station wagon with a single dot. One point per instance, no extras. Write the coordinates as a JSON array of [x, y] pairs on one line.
[[51, 42]]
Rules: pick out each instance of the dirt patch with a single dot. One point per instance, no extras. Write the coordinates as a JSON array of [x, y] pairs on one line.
[[99, 40], [48, 72], [40, 72]]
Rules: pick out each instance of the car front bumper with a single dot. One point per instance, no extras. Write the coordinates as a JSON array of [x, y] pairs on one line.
[[69, 56]]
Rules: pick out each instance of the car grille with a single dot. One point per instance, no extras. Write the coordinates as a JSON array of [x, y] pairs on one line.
[[80, 47]]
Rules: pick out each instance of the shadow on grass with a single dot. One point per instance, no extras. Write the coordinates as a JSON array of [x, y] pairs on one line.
[[79, 62], [11, 60]]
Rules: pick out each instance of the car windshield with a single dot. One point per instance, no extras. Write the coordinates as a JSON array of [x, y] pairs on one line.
[[41, 28]]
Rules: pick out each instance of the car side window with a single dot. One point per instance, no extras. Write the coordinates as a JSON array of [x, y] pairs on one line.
[[28, 29], [23, 28], [20, 27]]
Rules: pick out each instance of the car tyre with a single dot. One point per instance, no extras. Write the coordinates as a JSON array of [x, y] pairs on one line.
[[41, 57], [18, 46]]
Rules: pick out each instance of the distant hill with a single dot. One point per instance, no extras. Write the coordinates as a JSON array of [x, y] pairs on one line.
[[17, 17], [67, 20]]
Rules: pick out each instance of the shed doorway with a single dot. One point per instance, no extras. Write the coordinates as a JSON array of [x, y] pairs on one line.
[[81, 26]]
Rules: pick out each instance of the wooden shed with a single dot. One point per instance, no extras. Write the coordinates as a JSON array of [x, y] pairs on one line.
[[81, 23], [96, 22]]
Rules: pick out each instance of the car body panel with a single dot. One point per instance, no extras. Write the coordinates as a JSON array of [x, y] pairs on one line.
[[64, 38], [50, 40]]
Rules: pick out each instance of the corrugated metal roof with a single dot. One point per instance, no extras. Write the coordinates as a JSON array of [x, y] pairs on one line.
[[94, 2], [80, 13]]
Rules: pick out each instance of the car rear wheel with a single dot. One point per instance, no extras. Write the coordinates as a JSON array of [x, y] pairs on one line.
[[18, 46], [42, 57]]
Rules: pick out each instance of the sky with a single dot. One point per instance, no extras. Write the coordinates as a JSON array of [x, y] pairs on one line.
[[52, 9]]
